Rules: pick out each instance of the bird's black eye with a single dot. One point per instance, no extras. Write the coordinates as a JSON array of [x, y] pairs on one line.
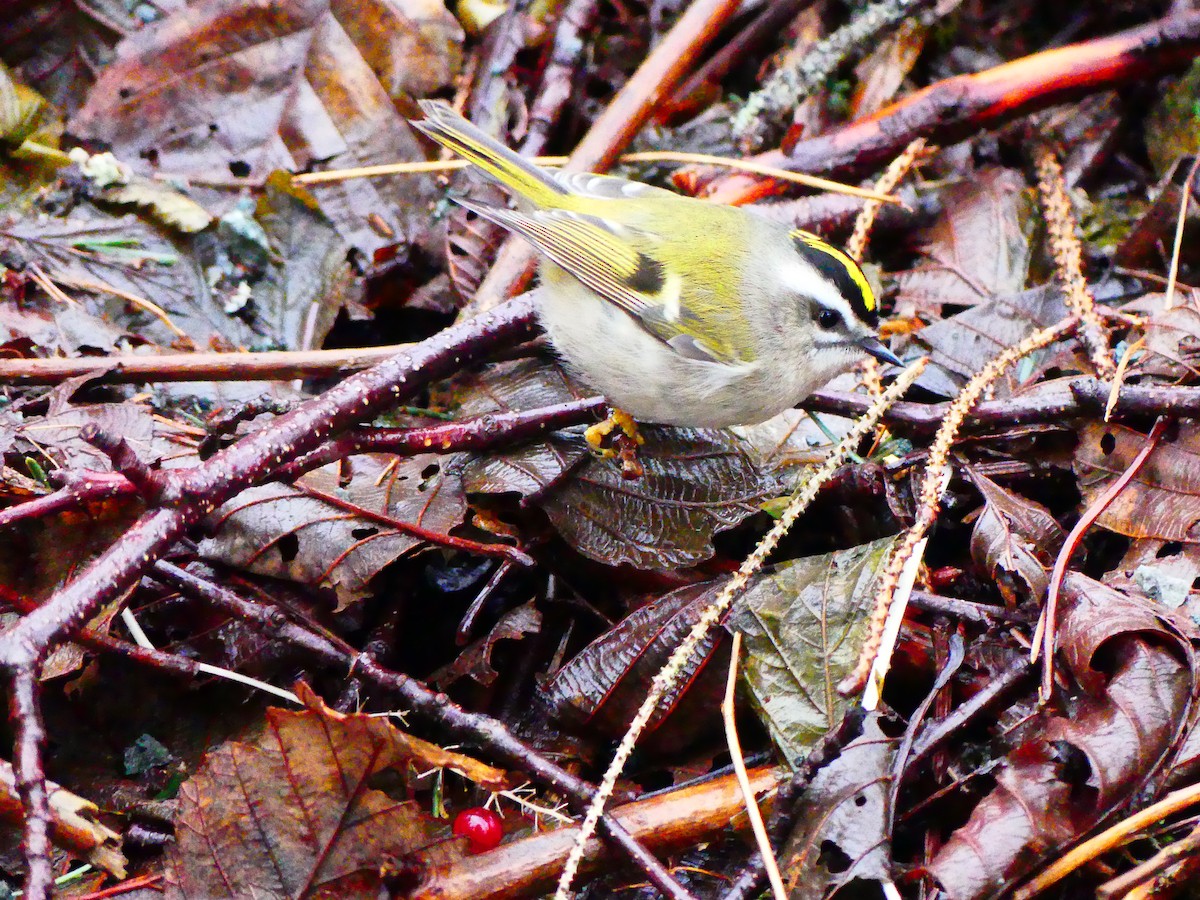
[[828, 318]]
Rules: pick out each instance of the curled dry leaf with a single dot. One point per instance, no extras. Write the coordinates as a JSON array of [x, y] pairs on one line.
[[1162, 501], [1015, 540], [475, 661], [73, 823], [298, 812], [1137, 674]]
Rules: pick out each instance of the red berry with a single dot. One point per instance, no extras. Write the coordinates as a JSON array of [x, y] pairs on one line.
[[481, 827]]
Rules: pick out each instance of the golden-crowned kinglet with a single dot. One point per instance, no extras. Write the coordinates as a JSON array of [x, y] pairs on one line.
[[678, 310]]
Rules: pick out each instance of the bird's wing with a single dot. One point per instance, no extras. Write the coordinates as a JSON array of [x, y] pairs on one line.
[[620, 266]]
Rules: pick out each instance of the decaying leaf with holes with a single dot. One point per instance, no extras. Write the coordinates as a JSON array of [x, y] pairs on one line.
[[287, 532], [1163, 501]]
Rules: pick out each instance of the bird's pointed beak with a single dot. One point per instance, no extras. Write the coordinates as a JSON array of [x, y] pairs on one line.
[[875, 348]]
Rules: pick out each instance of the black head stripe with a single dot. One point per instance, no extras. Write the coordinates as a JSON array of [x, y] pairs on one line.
[[648, 277], [845, 274]]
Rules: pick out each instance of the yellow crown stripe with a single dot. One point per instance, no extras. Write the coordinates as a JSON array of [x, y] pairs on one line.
[[852, 268]]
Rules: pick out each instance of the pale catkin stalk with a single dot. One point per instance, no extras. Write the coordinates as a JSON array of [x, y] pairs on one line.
[[934, 484], [681, 656], [856, 246], [1068, 259]]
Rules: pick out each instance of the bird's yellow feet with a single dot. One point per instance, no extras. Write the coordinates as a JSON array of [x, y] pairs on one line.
[[626, 443], [617, 418]]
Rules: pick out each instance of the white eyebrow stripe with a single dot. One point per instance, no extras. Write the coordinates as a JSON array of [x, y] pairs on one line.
[[810, 283]]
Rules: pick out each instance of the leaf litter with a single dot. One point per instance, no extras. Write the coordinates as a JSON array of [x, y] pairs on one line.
[[206, 243]]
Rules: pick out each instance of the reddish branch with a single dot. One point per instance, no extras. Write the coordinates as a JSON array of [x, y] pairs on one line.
[[136, 368], [480, 433], [955, 108], [486, 432]]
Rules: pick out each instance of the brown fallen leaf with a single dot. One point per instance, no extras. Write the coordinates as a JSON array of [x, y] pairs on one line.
[[296, 812], [1015, 540], [1163, 501], [1136, 678], [222, 88]]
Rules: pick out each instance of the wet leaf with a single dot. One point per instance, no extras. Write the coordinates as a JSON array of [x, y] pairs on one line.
[[111, 257], [1014, 540], [1162, 501], [843, 834], [1138, 677], [697, 482], [279, 530], [296, 811], [311, 280], [603, 685], [802, 625]]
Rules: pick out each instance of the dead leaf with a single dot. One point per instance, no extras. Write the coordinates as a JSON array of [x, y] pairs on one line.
[[1014, 539], [1162, 501], [978, 250], [1137, 673], [475, 661], [296, 811], [220, 89], [697, 482], [843, 834], [964, 343], [279, 530], [602, 686]]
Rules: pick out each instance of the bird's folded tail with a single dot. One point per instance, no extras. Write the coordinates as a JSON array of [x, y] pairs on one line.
[[448, 128]]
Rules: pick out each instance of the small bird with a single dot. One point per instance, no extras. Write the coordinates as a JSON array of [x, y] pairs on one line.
[[679, 311]]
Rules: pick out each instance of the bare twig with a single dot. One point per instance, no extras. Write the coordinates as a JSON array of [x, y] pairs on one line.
[[1109, 839], [490, 734]]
